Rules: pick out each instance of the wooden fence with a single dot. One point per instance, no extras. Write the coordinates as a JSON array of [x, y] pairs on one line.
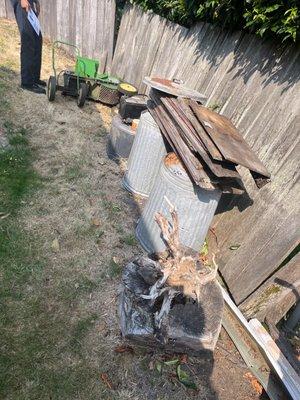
[[88, 23], [256, 84]]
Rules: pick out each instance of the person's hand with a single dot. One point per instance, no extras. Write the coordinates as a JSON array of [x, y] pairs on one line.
[[25, 4]]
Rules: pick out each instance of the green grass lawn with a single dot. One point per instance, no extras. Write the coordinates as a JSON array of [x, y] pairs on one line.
[[30, 340]]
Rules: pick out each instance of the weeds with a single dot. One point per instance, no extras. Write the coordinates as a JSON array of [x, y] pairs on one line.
[[130, 240], [112, 208], [114, 269], [75, 171], [81, 330]]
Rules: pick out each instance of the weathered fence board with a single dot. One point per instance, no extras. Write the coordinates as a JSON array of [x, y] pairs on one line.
[[2, 9], [256, 83], [277, 295], [135, 52], [9, 10], [89, 24]]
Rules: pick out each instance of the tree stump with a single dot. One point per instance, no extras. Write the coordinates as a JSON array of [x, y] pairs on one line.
[[174, 303]]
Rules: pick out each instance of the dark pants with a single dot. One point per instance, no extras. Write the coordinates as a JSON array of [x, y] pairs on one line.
[[31, 48]]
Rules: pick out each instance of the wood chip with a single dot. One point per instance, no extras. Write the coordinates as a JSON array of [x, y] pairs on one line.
[[124, 349], [105, 379]]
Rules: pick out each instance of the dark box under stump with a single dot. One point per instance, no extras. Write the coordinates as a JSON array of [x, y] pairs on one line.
[[188, 327]]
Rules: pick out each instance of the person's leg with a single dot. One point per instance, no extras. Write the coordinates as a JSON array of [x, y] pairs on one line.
[[27, 47], [38, 58]]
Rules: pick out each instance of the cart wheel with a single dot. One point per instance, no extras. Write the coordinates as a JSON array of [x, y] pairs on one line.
[[127, 89], [51, 88], [82, 95]]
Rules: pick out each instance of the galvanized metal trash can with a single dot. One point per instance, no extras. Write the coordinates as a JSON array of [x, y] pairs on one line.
[[120, 139], [195, 206], [145, 157]]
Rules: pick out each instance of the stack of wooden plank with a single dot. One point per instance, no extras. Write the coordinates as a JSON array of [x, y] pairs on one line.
[[207, 143]]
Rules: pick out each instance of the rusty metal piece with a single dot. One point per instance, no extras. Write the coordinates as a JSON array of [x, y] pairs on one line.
[[174, 88]]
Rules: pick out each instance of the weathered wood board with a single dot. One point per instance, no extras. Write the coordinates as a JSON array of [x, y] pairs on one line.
[[135, 52], [2, 9], [228, 140], [201, 132], [9, 10], [277, 295], [182, 121], [256, 358]]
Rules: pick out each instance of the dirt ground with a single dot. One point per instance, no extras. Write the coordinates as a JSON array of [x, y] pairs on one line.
[[60, 334]]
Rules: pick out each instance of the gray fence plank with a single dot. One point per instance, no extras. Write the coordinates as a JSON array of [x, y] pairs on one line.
[[277, 295], [135, 52], [9, 10], [2, 9]]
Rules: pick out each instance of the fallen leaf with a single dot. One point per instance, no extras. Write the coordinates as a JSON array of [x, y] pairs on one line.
[[184, 359], [204, 250], [102, 161], [235, 247], [172, 362], [96, 221], [204, 259], [151, 365], [185, 379], [158, 367], [254, 382], [124, 349], [55, 245], [104, 377]]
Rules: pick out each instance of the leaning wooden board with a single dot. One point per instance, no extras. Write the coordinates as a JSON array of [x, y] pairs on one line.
[[200, 131], [181, 119], [228, 139], [167, 127]]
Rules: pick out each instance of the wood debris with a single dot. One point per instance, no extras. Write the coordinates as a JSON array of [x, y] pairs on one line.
[[260, 353], [106, 380], [207, 143]]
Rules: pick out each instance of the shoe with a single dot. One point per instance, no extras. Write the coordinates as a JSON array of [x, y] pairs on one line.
[[41, 83], [34, 88]]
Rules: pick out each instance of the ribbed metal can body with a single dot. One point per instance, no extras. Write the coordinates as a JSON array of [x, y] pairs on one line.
[[120, 139], [145, 157], [195, 206]]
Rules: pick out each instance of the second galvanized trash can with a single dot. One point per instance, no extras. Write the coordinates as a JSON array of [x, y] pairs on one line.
[[145, 157], [120, 139], [195, 206]]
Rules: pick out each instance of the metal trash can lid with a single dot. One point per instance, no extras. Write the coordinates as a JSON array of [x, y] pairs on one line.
[[174, 88]]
